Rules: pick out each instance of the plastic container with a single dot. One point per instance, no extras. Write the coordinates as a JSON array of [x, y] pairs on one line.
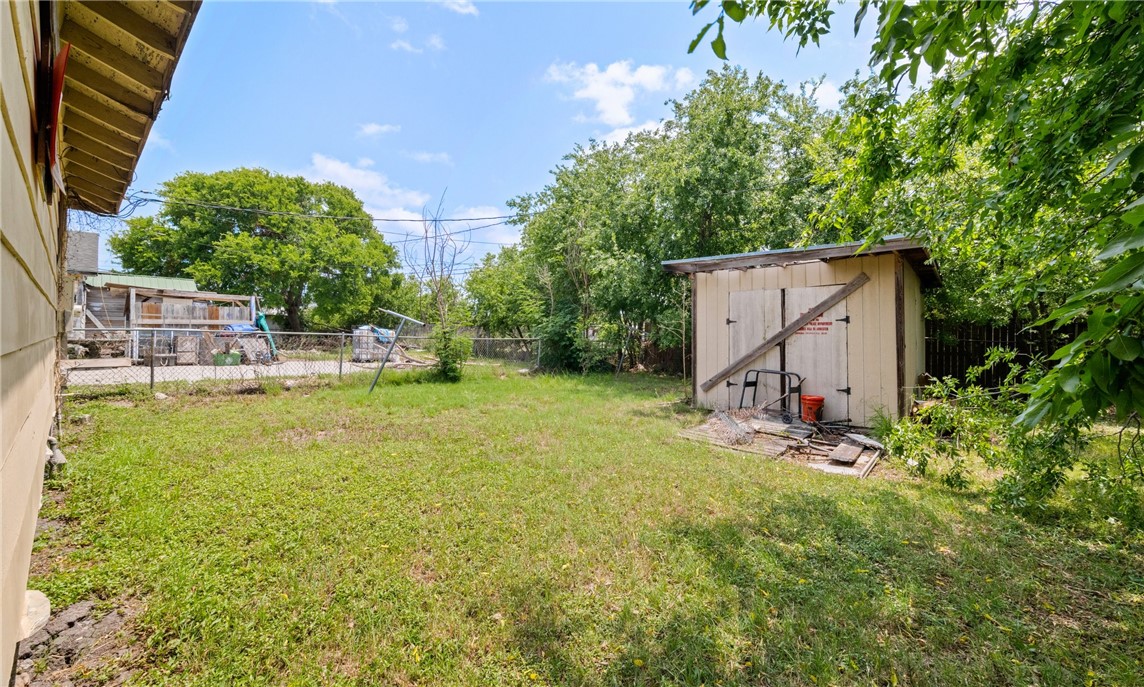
[[812, 408], [224, 359]]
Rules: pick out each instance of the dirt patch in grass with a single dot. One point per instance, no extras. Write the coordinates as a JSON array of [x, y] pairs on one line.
[[83, 644]]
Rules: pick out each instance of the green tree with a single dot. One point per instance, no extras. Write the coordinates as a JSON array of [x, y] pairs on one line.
[[308, 248], [503, 294], [1052, 95], [732, 170]]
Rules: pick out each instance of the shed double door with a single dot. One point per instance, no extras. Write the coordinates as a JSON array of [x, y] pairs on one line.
[[818, 351]]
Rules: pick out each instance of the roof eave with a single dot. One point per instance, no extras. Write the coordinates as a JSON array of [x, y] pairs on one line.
[[912, 252], [119, 72]]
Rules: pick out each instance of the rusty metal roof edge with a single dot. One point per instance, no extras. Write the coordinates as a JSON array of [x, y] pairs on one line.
[[895, 243]]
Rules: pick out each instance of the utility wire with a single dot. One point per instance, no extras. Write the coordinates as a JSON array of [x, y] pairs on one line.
[[286, 213]]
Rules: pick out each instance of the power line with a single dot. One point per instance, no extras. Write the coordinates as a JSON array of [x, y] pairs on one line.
[[286, 213], [407, 236]]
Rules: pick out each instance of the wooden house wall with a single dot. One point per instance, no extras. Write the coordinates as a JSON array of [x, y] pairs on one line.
[[29, 296], [872, 339]]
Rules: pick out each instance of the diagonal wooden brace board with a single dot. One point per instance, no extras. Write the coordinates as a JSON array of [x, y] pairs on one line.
[[787, 331]]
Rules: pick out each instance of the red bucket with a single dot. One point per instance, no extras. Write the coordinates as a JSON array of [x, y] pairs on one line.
[[812, 408]]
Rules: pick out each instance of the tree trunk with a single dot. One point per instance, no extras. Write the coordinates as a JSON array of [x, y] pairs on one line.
[[293, 313]]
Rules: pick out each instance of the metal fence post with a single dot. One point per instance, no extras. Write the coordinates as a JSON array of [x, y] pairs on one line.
[[152, 360], [538, 341], [341, 355]]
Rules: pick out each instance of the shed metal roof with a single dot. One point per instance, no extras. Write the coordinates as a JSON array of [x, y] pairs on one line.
[[912, 252], [141, 281], [193, 295]]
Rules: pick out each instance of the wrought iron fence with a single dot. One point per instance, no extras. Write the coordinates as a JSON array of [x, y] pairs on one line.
[[114, 357]]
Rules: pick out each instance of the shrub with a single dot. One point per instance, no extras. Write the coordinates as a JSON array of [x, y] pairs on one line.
[[452, 350], [966, 419]]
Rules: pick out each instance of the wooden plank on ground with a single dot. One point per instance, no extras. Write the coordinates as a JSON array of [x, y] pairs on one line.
[[846, 453], [771, 447]]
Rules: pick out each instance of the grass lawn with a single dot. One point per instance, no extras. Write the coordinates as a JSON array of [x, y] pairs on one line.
[[553, 530]]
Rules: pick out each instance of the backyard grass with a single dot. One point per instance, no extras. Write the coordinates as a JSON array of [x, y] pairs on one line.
[[553, 530]]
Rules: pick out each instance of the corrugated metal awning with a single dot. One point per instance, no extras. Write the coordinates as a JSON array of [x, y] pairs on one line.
[[119, 69], [175, 293], [912, 252], [141, 281]]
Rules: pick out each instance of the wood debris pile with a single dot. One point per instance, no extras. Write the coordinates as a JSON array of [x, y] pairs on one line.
[[829, 448]]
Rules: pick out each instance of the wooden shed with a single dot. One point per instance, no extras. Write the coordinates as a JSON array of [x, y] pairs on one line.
[[849, 323]]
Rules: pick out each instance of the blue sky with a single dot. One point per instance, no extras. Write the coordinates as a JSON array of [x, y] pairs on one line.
[[402, 101]]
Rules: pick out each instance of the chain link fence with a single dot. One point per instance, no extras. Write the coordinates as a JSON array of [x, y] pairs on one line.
[[117, 357]]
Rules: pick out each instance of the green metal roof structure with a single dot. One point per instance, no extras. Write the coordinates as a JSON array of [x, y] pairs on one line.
[[142, 281]]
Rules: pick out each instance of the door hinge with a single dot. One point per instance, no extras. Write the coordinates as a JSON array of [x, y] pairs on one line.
[[730, 383], [844, 319], [730, 321], [844, 391]]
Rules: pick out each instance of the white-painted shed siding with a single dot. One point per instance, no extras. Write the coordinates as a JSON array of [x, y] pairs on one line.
[[872, 341]]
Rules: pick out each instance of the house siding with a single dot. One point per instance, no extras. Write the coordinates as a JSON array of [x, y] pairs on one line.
[[29, 294]]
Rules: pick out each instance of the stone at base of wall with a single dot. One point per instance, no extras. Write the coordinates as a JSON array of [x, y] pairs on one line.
[[37, 610]]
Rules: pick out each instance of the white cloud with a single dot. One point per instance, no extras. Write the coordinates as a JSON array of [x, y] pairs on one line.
[[684, 79], [828, 96], [423, 156], [384, 199], [375, 129], [461, 6], [404, 45], [399, 25], [373, 187], [157, 140], [621, 134], [433, 42], [613, 90]]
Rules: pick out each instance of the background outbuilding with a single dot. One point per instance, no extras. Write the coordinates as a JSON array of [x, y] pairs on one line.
[[851, 323]]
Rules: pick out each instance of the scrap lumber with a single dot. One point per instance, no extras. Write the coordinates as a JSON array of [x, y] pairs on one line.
[[865, 441], [740, 434], [846, 452], [795, 430], [870, 465], [770, 447]]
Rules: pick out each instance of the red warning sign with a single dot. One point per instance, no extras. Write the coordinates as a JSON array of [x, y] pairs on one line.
[[817, 327]]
